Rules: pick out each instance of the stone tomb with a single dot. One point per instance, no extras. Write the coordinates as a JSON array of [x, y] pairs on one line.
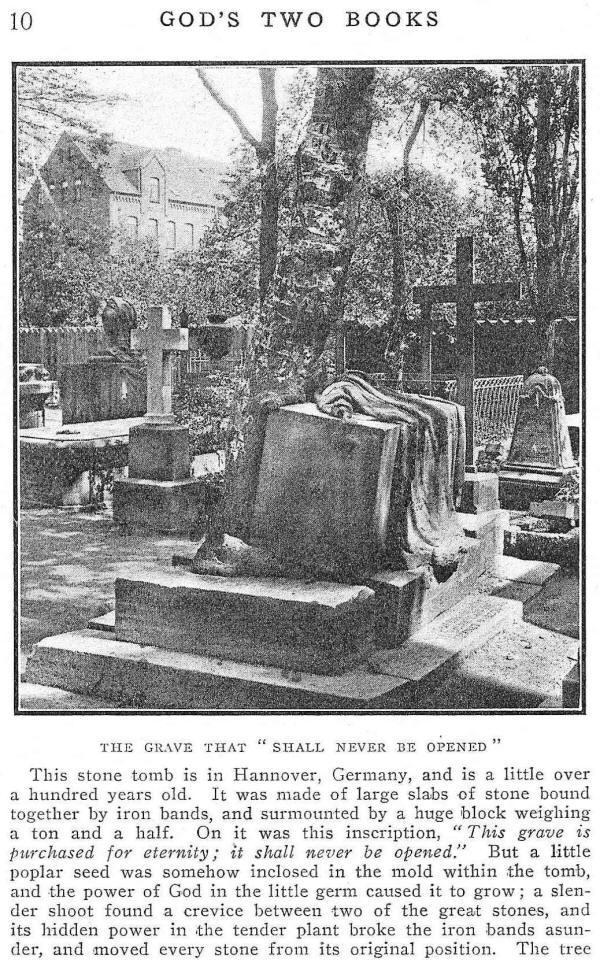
[[187, 641]]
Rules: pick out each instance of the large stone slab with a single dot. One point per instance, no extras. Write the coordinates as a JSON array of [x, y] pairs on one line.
[[93, 663], [49, 455], [324, 487], [519, 488], [445, 641], [160, 506], [318, 626]]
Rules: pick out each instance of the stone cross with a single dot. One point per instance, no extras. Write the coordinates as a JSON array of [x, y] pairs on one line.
[[465, 294], [158, 341]]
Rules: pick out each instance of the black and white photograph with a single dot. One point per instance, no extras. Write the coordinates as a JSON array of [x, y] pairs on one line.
[[299, 400]]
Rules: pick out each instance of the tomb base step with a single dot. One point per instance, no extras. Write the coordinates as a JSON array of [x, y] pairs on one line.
[[293, 624], [571, 688], [518, 488], [160, 506], [409, 599], [92, 663], [104, 622]]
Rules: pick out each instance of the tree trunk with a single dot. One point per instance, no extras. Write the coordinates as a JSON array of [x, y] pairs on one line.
[[269, 188], [305, 307], [542, 176], [395, 217], [312, 271]]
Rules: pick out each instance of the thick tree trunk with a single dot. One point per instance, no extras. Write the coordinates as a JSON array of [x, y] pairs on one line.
[[312, 270]]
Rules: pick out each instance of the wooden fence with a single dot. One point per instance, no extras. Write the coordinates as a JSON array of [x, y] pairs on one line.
[[58, 347]]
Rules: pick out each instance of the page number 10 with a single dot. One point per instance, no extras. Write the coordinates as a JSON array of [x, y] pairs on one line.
[[21, 21]]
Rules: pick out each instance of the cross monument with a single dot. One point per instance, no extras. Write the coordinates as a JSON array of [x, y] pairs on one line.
[[158, 341], [465, 293]]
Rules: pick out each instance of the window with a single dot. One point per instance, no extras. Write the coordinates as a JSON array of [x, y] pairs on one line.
[[65, 192], [171, 237], [188, 235], [153, 230], [154, 189], [131, 225], [77, 191]]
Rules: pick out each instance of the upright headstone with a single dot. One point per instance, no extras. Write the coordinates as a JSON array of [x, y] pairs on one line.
[[540, 453], [159, 494]]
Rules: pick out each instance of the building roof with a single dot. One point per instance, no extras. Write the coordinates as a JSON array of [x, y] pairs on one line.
[[189, 178]]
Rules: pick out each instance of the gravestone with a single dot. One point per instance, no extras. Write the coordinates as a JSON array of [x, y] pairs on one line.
[[324, 488], [159, 494], [540, 454], [110, 385]]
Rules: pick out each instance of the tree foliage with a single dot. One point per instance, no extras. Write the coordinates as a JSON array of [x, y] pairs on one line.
[[50, 100], [527, 121]]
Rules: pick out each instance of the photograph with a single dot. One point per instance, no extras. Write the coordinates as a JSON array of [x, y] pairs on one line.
[[299, 398]]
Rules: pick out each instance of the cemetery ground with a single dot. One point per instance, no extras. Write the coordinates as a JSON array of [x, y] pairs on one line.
[[70, 559]]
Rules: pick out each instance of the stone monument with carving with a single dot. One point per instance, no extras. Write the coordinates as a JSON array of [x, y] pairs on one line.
[[159, 493], [540, 454], [110, 385]]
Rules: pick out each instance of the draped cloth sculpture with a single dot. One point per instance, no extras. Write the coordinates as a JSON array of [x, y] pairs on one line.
[[291, 509], [429, 471]]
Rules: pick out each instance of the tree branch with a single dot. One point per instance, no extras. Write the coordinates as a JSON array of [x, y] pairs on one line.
[[420, 119], [229, 110]]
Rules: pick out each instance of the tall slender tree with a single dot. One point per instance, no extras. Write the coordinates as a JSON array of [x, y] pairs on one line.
[[265, 149]]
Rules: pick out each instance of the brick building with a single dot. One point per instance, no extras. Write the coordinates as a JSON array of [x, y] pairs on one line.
[[167, 196]]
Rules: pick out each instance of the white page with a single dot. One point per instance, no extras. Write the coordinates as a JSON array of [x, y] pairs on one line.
[[526, 740]]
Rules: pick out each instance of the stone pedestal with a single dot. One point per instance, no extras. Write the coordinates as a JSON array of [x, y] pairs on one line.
[[159, 495], [159, 506], [158, 452], [540, 453], [33, 395], [479, 492]]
